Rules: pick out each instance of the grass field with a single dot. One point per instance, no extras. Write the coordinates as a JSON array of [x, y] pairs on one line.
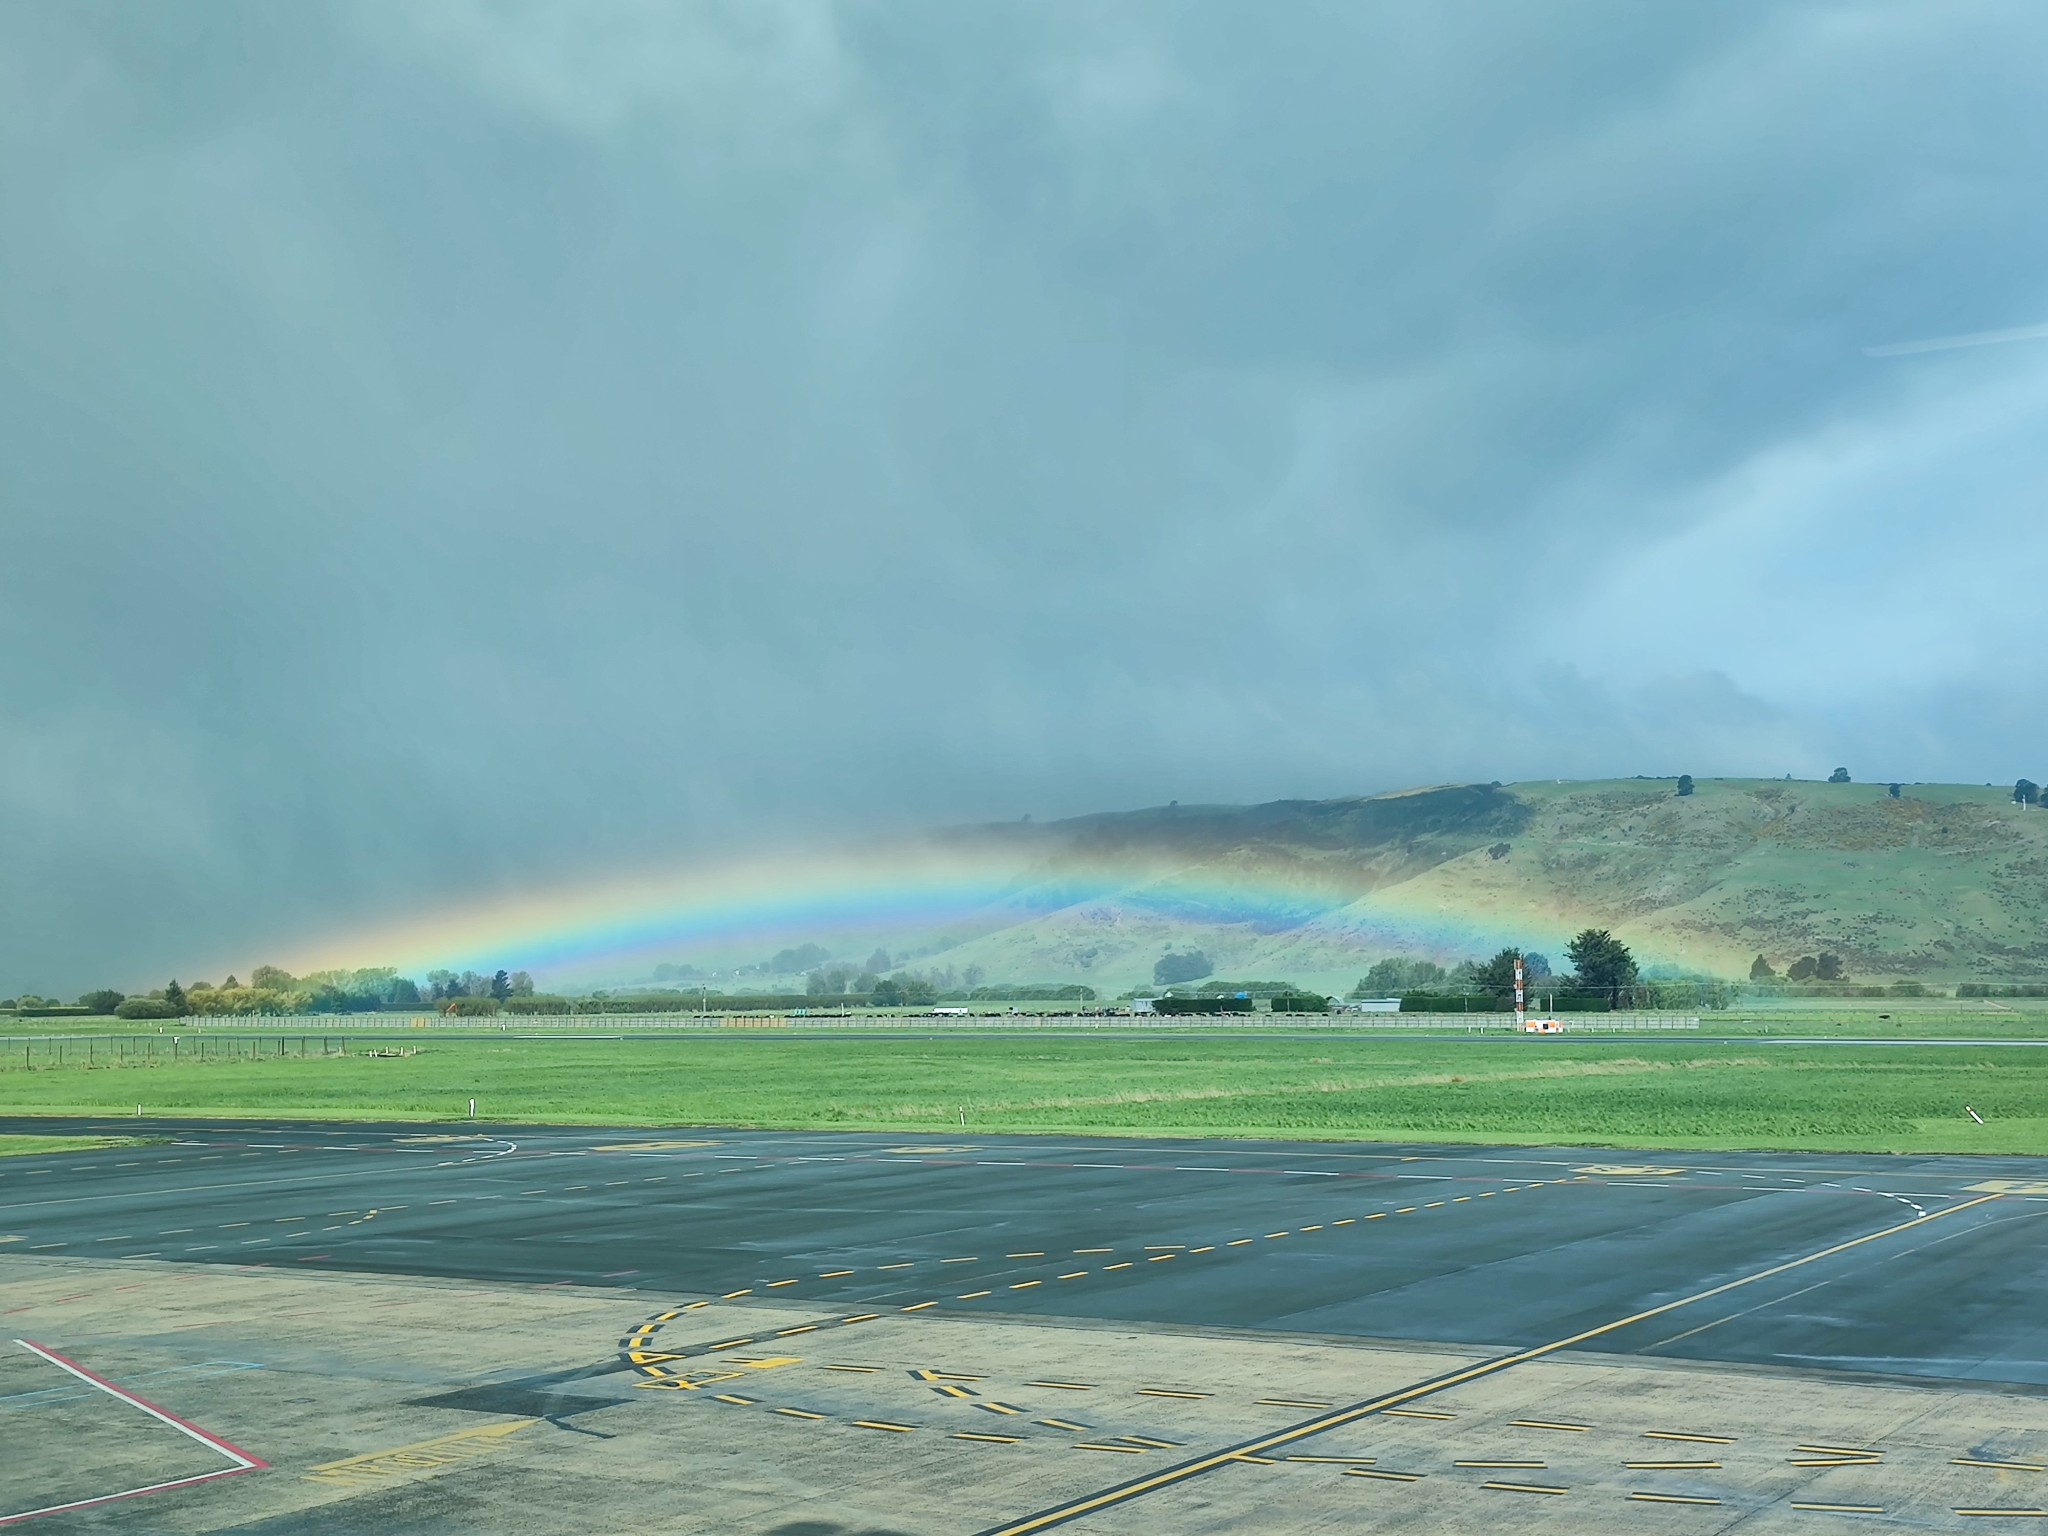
[[1661, 1093]]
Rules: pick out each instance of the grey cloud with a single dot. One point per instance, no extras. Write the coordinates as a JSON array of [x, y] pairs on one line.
[[457, 447]]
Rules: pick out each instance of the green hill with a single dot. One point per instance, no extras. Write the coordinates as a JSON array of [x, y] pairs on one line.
[[1943, 883]]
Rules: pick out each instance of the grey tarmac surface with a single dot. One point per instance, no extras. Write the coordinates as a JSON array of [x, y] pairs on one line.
[[807, 1332]]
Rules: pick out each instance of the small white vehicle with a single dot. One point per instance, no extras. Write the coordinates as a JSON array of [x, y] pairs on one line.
[[1542, 1027]]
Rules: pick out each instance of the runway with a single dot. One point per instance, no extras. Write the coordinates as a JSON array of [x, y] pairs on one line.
[[1236, 1299]]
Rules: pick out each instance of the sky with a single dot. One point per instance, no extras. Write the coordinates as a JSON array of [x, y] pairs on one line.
[[451, 451]]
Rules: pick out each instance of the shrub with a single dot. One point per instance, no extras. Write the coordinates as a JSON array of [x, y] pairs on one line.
[[146, 1008]]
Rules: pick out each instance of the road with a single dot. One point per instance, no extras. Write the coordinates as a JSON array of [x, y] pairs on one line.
[[1841, 1275]]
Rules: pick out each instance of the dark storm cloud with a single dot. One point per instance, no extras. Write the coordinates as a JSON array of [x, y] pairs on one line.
[[453, 447]]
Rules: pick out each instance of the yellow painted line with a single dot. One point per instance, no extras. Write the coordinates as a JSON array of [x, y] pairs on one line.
[[1336, 1461], [775, 1284], [1672, 1434], [2010, 1187], [990, 1439], [973, 1295], [1161, 1258], [1271, 1235], [732, 1397], [1125, 1265], [953, 1391], [1162, 1247], [859, 1317], [1432, 1205], [1669, 1498], [729, 1295], [1167, 1477], [1192, 1397], [425, 1456], [669, 1317], [884, 1424], [906, 1264], [1836, 1450], [1062, 1386], [1079, 1429], [1238, 1242], [1860, 1509], [968, 1260], [1406, 1210], [1128, 1450], [1377, 1216], [1316, 1228], [1671, 1466], [1459, 1199], [835, 1274], [1347, 1221], [1003, 1408], [1290, 1402], [1210, 1248], [1417, 1413], [1257, 1461], [1025, 1285], [1148, 1443], [865, 1370], [798, 1413], [1836, 1461], [691, 1306], [1095, 1250], [1526, 1466], [2009, 1466], [1523, 1488], [786, 1333], [1024, 1255], [1385, 1477], [1077, 1274], [2017, 1514], [1576, 1429], [919, 1306], [1488, 1194], [945, 1376], [732, 1343]]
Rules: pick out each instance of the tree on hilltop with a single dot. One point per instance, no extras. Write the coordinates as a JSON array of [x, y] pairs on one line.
[[1839, 776], [1685, 783], [2026, 792]]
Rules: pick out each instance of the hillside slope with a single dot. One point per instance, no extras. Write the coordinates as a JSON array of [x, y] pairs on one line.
[[1946, 882]]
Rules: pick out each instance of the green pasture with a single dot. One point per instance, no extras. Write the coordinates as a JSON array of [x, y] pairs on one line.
[[1643, 1093]]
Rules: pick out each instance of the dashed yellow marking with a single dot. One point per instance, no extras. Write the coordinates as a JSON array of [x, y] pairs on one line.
[[788, 1333], [1316, 1228], [1075, 1275], [799, 1413], [1526, 1466], [1079, 1429], [2009, 1187], [1006, 1409], [835, 1274], [1669, 1498], [730, 1295], [1149, 1443], [990, 1439], [1290, 1402], [733, 1397], [1867, 1509], [1128, 1450], [1024, 1255], [2007, 1466], [1576, 1429], [1524, 1488], [973, 1295], [1386, 1477], [1025, 1285], [1414, 1413], [858, 1317], [425, 1456], [1238, 1242], [864, 1370], [968, 1260], [1062, 1386], [1193, 1397], [1336, 1461], [884, 1424], [778, 1284], [1836, 1450], [949, 1390], [1672, 1466], [1126, 1264], [918, 1306], [1161, 1258], [907, 1264], [1672, 1434], [2015, 1514], [1347, 1221], [1095, 1250]]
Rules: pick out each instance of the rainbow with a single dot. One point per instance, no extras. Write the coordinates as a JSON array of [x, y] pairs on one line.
[[731, 912]]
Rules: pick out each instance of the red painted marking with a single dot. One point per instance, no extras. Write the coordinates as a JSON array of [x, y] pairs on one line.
[[126, 1493], [242, 1458]]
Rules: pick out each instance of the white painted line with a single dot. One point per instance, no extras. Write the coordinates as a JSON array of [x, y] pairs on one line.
[[243, 1461]]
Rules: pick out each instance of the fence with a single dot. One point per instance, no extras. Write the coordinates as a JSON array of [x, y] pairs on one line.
[[34, 1053], [595, 1024]]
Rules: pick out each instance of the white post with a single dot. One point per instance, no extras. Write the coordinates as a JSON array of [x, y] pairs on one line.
[[472, 1109], [1519, 1011]]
